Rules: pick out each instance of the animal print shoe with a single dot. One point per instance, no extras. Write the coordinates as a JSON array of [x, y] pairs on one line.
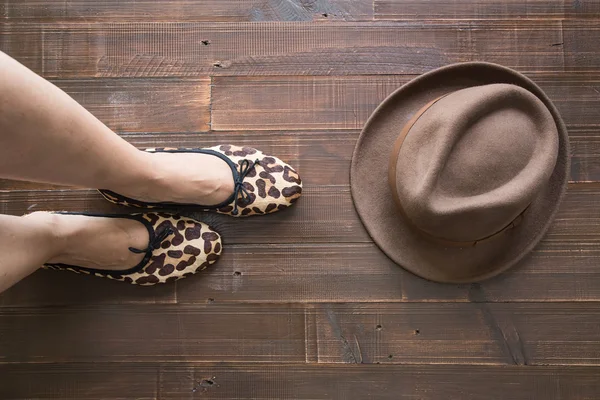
[[262, 184], [178, 247]]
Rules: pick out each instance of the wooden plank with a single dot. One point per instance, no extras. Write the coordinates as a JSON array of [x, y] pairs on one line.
[[302, 103], [323, 268], [138, 105], [579, 47], [358, 272], [555, 272], [45, 288], [272, 48], [185, 10], [320, 259], [484, 9], [279, 103], [261, 382], [158, 332], [325, 214], [516, 333], [323, 157], [403, 333], [585, 145]]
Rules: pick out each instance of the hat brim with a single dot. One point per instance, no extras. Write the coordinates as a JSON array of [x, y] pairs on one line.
[[387, 227]]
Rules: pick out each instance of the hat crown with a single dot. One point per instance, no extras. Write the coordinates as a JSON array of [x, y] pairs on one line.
[[473, 161]]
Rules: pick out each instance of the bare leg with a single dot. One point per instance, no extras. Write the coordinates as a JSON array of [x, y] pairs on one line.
[[45, 136], [30, 241], [19, 237]]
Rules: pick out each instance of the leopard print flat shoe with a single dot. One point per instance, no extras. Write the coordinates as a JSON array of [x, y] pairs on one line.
[[262, 184], [178, 247]]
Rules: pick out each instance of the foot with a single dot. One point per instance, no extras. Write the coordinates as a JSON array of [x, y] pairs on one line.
[[94, 242], [187, 178], [265, 184]]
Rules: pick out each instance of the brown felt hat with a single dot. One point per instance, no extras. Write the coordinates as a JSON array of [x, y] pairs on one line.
[[458, 174]]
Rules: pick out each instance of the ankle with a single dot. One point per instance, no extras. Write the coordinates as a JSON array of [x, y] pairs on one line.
[[144, 185], [144, 172], [48, 226]]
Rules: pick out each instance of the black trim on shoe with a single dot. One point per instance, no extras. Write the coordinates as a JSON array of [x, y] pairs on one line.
[[239, 189], [118, 273], [168, 205]]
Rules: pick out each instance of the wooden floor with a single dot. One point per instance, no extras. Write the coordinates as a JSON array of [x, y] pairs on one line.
[[302, 304]]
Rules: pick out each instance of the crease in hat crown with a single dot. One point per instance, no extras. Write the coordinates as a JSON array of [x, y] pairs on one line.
[[473, 161]]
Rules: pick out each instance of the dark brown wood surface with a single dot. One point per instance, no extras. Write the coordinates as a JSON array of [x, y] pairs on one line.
[[302, 304], [185, 380]]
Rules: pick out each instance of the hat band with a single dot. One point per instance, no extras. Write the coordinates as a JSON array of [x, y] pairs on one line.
[[392, 181]]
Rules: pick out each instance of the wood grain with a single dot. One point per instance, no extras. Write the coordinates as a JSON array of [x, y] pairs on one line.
[[302, 304], [184, 380], [45, 288], [327, 273], [292, 10], [301, 103], [362, 273], [134, 105], [319, 252], [160, 332], [484, 9], [325, 214], [185, 10], [227, 381], [71, 50], [323, 157], [358, 272], [403, 333], [522, 334]]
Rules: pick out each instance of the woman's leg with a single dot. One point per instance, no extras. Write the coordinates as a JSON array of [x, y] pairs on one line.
[[28, 242], [18, 237], [45, 136]]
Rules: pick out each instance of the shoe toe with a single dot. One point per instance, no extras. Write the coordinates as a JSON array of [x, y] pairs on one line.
[[192, 247], [279, 186], [272, 186]]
